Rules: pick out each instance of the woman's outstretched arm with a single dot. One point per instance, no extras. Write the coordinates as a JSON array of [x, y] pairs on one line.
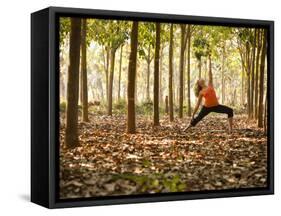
[[210, 71], [194, 112], [199, 100]]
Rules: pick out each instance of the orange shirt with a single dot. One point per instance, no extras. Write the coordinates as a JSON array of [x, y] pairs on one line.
[[210, 97]]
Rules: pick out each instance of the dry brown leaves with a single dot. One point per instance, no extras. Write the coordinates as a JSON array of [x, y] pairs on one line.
[[163, 159]]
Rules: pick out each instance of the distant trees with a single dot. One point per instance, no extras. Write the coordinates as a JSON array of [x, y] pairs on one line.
[[111, 35], [146, 45], [71, 133], [120, 70], [261, 82], [131, 116], [252, 45], [118, 35], [258, 45]]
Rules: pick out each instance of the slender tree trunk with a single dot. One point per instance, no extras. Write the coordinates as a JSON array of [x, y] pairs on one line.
[[188, 71], [80, 94], [110, 84], [131, 116], [166, 105], [84, 72], [257, 73], [136, 83], [210, 63], [161, 76], [244, 71], [262, 69], [182, 51], [206, 69], [120, 71], [248, 67], [253, 76], [265, 114], [171, 109], [106, 56], [71, 132], [148, 75], [200, 67], [242, 87], [156, 77], [222, 76]]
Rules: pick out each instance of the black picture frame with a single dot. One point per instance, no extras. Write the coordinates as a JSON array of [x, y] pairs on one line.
[[45, 106]]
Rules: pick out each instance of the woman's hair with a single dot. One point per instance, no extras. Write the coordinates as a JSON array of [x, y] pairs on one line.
[[197, 88]]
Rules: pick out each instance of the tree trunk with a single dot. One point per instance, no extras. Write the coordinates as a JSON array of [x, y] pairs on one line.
[[262, 69], [257, 72], [148, 75], [200, 67], [222, 76], [80, 94], [166, 105], [131, 116], [161, 76], [156, 77], [188, 71], [120, 70], [71, 132], [110, 84], [210, 63], [84, 72], [242, 87], [248, 68], [182, 50], [106, 56], [171, 109], [265, 114], [253, 76]]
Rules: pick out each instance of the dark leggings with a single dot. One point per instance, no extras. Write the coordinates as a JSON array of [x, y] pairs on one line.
[[206, 110]]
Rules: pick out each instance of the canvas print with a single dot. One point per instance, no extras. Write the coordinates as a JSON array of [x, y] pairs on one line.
[[158, 107]]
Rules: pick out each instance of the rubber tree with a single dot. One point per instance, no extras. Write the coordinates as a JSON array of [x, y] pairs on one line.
[[156, 77], [71, 131], [183, 42], [171, 104], [131, 113], [84, 79]]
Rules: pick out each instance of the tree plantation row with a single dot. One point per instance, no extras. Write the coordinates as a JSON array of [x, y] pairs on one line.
[[110, 64]]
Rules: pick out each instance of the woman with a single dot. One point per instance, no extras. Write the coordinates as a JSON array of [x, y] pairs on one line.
[[211, 103]]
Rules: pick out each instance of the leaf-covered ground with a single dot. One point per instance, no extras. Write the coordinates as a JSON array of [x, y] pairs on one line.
[[163, 159]]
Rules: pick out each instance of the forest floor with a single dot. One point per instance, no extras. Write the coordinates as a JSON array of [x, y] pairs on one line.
[[163, 159]]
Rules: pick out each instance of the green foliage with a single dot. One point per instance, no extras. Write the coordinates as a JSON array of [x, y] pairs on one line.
[[64, 29], [201, 47], [246, 35], [145, 108], [155, 182], [120, 107], [111, 33], [146, 38]]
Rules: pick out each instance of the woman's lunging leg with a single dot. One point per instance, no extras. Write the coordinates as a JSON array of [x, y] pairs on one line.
[[203, 112], [227, 110]]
